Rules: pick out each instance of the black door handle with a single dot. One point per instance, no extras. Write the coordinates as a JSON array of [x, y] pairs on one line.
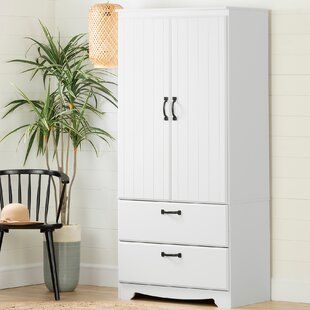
[[179, 212], [179, 255], [174, 99], [164, 109]]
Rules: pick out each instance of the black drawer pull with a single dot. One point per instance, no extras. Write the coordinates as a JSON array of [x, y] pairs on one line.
[[179, 212], [164, 109], [174, 99], [179, 255]]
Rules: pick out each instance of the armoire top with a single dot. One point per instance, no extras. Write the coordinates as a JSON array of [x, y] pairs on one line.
[[216, 10]]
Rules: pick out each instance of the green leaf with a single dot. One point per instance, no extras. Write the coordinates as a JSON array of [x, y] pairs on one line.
[[30, 144], [14, 131]]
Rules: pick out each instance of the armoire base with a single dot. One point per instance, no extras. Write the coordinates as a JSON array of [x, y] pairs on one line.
[[127, 291]]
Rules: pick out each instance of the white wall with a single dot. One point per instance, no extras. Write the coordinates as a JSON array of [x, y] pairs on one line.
[[19, 18], [290, 138]]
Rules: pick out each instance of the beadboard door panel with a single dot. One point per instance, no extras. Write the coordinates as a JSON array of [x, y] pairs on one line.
[[197, 267], [143, 133], [196, 224], [199, 133]]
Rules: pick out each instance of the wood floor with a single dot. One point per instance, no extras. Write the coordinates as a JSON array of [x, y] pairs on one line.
[[38, 293]]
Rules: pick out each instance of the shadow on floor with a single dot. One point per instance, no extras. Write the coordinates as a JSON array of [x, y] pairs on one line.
[[207, 302]]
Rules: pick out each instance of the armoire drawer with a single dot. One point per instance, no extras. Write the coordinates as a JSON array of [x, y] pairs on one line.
[[194, 267], [190, 224]]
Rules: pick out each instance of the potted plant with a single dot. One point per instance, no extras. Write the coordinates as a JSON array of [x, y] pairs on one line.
[[61, 124]]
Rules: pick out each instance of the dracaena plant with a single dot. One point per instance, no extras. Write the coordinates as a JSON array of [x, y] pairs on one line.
[[62, 120]]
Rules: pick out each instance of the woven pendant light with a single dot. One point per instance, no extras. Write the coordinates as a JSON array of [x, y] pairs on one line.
[[103, 35]]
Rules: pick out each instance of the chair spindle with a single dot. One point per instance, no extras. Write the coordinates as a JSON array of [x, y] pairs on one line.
[[19, 189], [10, 189], [1, 195], [38, 198], [48, 192], [29, 193]]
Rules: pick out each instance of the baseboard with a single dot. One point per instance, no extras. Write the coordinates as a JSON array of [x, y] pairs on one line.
[[21, 276], [99, 275], [285, 290], [24, 275]]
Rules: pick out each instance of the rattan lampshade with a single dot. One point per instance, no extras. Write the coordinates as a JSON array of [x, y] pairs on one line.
[[103, 35]]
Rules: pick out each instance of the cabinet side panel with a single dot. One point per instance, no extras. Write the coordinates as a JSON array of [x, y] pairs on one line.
[[249, 156], [248, 106], [250, 253]]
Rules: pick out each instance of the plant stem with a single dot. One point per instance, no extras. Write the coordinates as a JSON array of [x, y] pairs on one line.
[[49, 168], [61, 126], [65, 205], [64, 209], [59, 166], [72, 181], [68, 153], [62, 148], [46, 153]]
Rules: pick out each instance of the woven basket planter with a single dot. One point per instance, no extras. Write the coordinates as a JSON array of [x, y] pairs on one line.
[[103, 35]]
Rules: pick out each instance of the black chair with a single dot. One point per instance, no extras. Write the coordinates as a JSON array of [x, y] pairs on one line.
[[46, 228]]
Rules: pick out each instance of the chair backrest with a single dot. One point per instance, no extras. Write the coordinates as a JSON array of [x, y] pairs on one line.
[[27, 186]]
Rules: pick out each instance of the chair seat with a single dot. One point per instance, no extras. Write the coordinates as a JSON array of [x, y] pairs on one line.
[[42, 227]]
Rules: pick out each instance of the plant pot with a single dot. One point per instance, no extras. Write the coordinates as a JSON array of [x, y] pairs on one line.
[[67, 243]]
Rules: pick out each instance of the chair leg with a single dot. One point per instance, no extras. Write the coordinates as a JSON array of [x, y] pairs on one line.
[[1, 238], [2, 232], [52, 261]]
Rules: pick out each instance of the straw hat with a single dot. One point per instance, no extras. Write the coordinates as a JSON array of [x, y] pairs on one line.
[[15, 214]]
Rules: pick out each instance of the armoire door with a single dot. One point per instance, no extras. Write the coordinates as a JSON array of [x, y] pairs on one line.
[[144, 135], [199, 130]]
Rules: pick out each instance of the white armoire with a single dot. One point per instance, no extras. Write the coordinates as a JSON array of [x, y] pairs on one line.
[[194, 154]]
